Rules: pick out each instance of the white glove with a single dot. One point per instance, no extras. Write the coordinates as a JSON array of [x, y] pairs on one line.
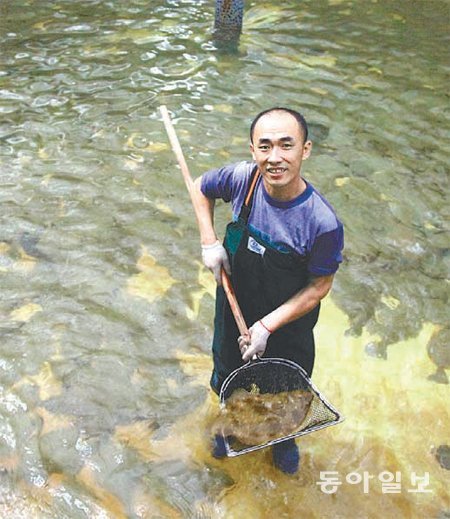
[[215, 257], [256, 343]]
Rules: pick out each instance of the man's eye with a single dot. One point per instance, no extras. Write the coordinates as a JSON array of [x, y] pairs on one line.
[[287, 145], [263, 148]]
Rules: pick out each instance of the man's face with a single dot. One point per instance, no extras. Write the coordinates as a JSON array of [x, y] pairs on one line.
[[279, 150]]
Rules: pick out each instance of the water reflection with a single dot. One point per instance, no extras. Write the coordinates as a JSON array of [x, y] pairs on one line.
[[106, 311]]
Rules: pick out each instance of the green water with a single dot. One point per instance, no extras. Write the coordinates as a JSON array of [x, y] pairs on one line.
[[91, 196]]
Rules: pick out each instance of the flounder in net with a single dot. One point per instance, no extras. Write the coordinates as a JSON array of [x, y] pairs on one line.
[[254, 419]]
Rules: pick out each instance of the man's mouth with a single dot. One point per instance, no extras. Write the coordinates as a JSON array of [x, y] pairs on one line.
[[276, 171]]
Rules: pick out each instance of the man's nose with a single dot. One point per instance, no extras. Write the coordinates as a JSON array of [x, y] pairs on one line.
[[275, 155]]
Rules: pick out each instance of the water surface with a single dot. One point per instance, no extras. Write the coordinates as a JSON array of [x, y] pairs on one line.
[[106, 312]]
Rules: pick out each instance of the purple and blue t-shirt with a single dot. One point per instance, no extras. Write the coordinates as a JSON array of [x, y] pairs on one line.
[[307, 224]]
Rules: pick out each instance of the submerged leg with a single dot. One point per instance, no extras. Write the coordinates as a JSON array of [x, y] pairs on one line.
[[286, 456], [218, 447]]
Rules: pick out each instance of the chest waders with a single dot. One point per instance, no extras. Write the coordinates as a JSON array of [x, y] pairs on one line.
[[263, 278]]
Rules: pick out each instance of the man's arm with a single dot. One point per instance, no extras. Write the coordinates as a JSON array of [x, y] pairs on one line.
[[214, 255], [295, 307], [300, 303], [204, 210]]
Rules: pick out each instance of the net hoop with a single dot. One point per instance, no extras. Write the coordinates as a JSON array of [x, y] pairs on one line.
[[320, 415]]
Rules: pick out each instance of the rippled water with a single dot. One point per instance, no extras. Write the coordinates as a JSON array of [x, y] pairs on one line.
[[106, 313]]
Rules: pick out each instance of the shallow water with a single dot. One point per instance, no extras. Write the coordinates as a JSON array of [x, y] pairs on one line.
[[106, 312]]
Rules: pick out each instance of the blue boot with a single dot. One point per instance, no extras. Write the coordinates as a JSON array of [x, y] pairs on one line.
[[286, 456], [218, 447]]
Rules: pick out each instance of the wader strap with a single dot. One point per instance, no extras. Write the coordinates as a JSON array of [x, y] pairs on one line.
[[247, 205]]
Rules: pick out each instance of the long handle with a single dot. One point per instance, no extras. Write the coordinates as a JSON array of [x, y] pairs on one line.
[[227, 286], [234, 305]]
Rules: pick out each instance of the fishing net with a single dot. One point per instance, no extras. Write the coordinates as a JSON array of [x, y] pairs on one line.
[[268, 401]]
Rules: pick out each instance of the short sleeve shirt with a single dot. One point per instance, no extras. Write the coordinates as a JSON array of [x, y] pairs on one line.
[[307, 224]]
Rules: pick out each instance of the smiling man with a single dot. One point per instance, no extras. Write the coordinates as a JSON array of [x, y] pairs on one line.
[[282, 250]]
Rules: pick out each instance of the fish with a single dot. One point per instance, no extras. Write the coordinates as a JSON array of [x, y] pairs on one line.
[[29, 243], [438, 349], [257, 418], [443, 456], [228, 23]]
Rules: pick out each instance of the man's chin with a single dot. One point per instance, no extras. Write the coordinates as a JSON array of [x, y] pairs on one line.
[[276, 180]]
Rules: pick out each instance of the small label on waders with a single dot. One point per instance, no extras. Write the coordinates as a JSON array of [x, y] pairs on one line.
[[254, 246]]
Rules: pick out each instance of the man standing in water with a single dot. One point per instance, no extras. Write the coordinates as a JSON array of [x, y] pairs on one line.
[[281, 249]]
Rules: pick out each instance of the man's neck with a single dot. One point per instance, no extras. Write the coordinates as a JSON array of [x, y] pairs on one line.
[[286, 193]]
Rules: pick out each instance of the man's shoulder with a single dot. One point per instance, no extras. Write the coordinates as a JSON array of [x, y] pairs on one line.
[[237, 171], [228, 181], [324, 213], [240, 170]]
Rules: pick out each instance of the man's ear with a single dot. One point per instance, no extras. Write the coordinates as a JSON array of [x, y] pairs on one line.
[[252, 149], [307, 148]]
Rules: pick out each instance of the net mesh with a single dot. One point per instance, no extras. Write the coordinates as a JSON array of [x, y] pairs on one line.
[[269, 377]]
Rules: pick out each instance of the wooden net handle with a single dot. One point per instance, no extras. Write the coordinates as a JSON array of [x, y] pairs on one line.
[[226, 282]]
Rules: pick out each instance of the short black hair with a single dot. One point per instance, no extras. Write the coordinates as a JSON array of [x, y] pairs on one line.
[[298, 116]]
